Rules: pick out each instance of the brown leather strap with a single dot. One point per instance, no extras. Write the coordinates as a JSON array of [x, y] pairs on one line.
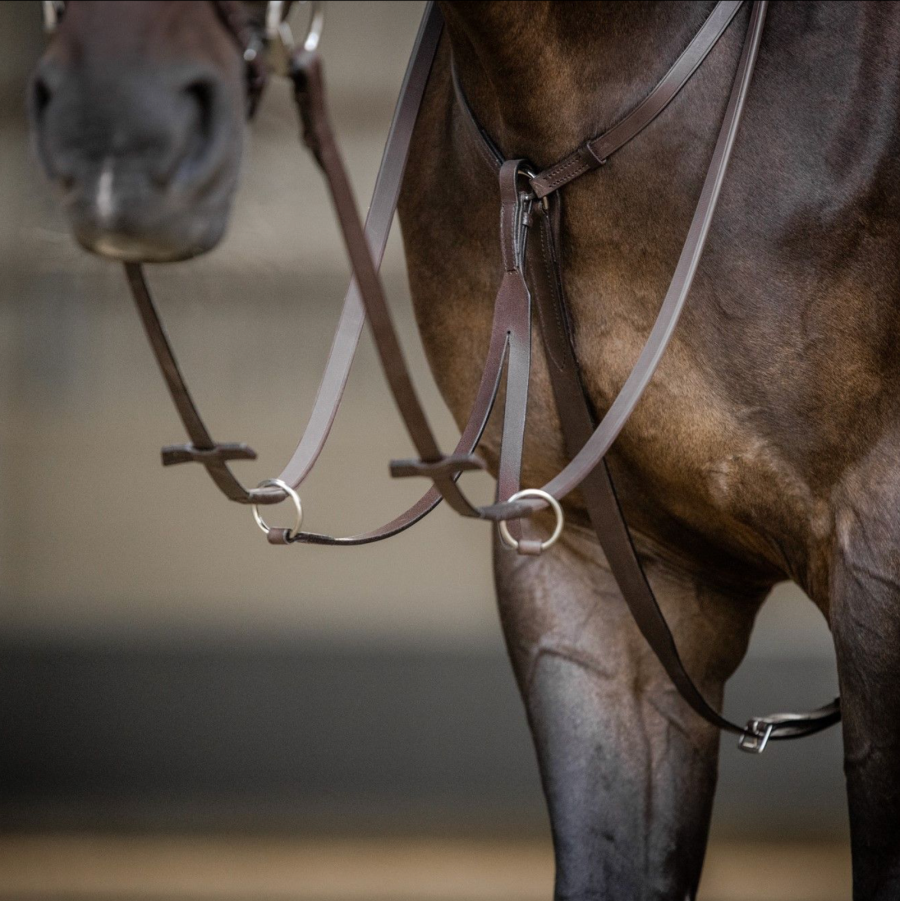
[[598, 150], [515, 217], [202, 447], [576, 417]]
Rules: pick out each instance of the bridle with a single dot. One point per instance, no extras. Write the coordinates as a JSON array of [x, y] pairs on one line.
[[530, 235], [264, 49]]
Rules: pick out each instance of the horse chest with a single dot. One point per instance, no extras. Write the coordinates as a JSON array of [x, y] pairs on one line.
[[713, 444], [454, 265]]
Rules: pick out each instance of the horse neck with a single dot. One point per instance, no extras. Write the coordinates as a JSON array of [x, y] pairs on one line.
[[542, 77]]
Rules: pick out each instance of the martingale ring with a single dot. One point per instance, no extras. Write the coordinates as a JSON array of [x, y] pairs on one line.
[[552, 502], [277, 483]]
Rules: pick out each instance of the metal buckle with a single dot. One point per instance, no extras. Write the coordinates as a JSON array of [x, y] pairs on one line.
[[531, 174], [756, 736]]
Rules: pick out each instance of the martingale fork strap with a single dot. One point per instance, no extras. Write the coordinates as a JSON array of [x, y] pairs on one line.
[[365, 300]]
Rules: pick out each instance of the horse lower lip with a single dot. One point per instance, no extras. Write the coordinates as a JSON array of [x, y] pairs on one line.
[[126, 239], [124, 248]]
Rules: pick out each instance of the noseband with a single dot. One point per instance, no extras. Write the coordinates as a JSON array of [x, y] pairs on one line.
[[264, 49], [530, 236]]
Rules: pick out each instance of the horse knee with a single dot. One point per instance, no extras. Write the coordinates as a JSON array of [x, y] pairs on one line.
[[864, 605], [629, 790], [628, 768]]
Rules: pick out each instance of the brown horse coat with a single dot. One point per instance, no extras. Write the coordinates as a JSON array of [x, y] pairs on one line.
[[765, 447]]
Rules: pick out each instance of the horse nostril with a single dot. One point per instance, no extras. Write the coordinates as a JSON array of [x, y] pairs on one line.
[[40, 99], [196, 150], [202, 94]]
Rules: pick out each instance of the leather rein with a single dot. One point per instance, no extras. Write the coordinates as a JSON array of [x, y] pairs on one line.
[[530, 236]]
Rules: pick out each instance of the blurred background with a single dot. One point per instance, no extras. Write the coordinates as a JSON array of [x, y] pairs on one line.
[[186, 712]]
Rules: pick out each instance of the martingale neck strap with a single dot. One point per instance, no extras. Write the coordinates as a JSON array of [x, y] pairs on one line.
[[595, 152], [673, 303]]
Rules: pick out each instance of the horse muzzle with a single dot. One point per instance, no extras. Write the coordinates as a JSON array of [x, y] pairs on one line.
[[146, 162]]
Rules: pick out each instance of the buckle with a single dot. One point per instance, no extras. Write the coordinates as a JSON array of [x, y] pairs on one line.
[[756, 736]]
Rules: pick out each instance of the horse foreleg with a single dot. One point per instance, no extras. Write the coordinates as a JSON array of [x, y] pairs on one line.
[[865, 621], [628, 769]]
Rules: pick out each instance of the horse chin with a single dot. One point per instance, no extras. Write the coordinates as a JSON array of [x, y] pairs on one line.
[[182, 241]]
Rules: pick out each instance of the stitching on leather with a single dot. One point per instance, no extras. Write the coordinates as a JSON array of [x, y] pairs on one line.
[[559, 173], [485, 152], [565, 174], [504, 239], [551, 282]]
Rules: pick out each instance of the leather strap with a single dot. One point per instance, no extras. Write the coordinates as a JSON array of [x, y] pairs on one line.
[[515, 218], [510, 338], [598, 150], [202, 447], [598, 492], [576, 415]]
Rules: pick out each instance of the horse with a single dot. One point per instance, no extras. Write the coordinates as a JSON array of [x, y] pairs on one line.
[[762, 450]]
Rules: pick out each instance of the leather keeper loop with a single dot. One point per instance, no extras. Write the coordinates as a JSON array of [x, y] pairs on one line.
[[278, 536]]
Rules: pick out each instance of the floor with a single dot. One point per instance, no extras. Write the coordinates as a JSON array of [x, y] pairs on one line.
[[104, 868]]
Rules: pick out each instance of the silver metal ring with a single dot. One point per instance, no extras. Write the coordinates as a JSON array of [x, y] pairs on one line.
[[278, 27], [316, 26], [53, 10], [552, 502], [277, 483]]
